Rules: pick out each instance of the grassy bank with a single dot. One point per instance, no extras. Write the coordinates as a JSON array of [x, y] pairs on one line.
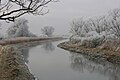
[[26, 39], [94, 53], [12, 65]]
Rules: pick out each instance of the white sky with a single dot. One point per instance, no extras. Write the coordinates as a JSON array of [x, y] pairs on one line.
[[63, 12]]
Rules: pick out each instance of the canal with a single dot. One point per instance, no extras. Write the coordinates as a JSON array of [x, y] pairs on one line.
[[48, 62]]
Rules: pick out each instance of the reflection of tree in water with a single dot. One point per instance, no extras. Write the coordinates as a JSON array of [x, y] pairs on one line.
[[79, 63], [25, 53], [48, 46], [76, 63]]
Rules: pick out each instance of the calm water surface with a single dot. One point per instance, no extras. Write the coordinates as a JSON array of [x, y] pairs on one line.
[[48, 62]]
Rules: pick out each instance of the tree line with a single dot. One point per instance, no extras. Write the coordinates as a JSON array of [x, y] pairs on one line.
[[107, 25]]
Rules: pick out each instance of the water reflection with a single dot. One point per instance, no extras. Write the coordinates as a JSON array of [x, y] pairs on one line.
[[25, 53], [80, 63], [24, 48], [48, 46], [77, 63]]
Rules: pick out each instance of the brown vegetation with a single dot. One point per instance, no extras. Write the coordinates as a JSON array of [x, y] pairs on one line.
[[26, 39], [107, 50], [12, 65]]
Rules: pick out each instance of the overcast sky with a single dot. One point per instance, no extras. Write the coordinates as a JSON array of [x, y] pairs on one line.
[[63, 12]]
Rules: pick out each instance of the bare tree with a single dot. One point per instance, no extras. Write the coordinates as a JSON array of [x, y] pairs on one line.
[[47, 31], [12, 9]]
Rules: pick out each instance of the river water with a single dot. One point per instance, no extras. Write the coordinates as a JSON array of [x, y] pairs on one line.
[[48, 62]]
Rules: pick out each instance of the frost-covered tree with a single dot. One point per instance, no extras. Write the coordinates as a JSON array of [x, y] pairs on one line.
[[97, 30], [48, 31], [114, 21], [107, 25], [19, 29], [97, 24], [78, 28]]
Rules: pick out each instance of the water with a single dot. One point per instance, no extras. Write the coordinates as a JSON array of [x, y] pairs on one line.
[[48, 62]]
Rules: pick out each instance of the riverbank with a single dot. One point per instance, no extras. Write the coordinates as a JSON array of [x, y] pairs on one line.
[[94, 53], [12, 62], [12, 65], [26, 39]]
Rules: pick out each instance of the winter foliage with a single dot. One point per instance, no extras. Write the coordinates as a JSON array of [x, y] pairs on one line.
[[48, 31], [19, 29], [98, 29], [108, 26]]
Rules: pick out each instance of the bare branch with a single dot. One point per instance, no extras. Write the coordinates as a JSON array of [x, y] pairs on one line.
[[12, 9]]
